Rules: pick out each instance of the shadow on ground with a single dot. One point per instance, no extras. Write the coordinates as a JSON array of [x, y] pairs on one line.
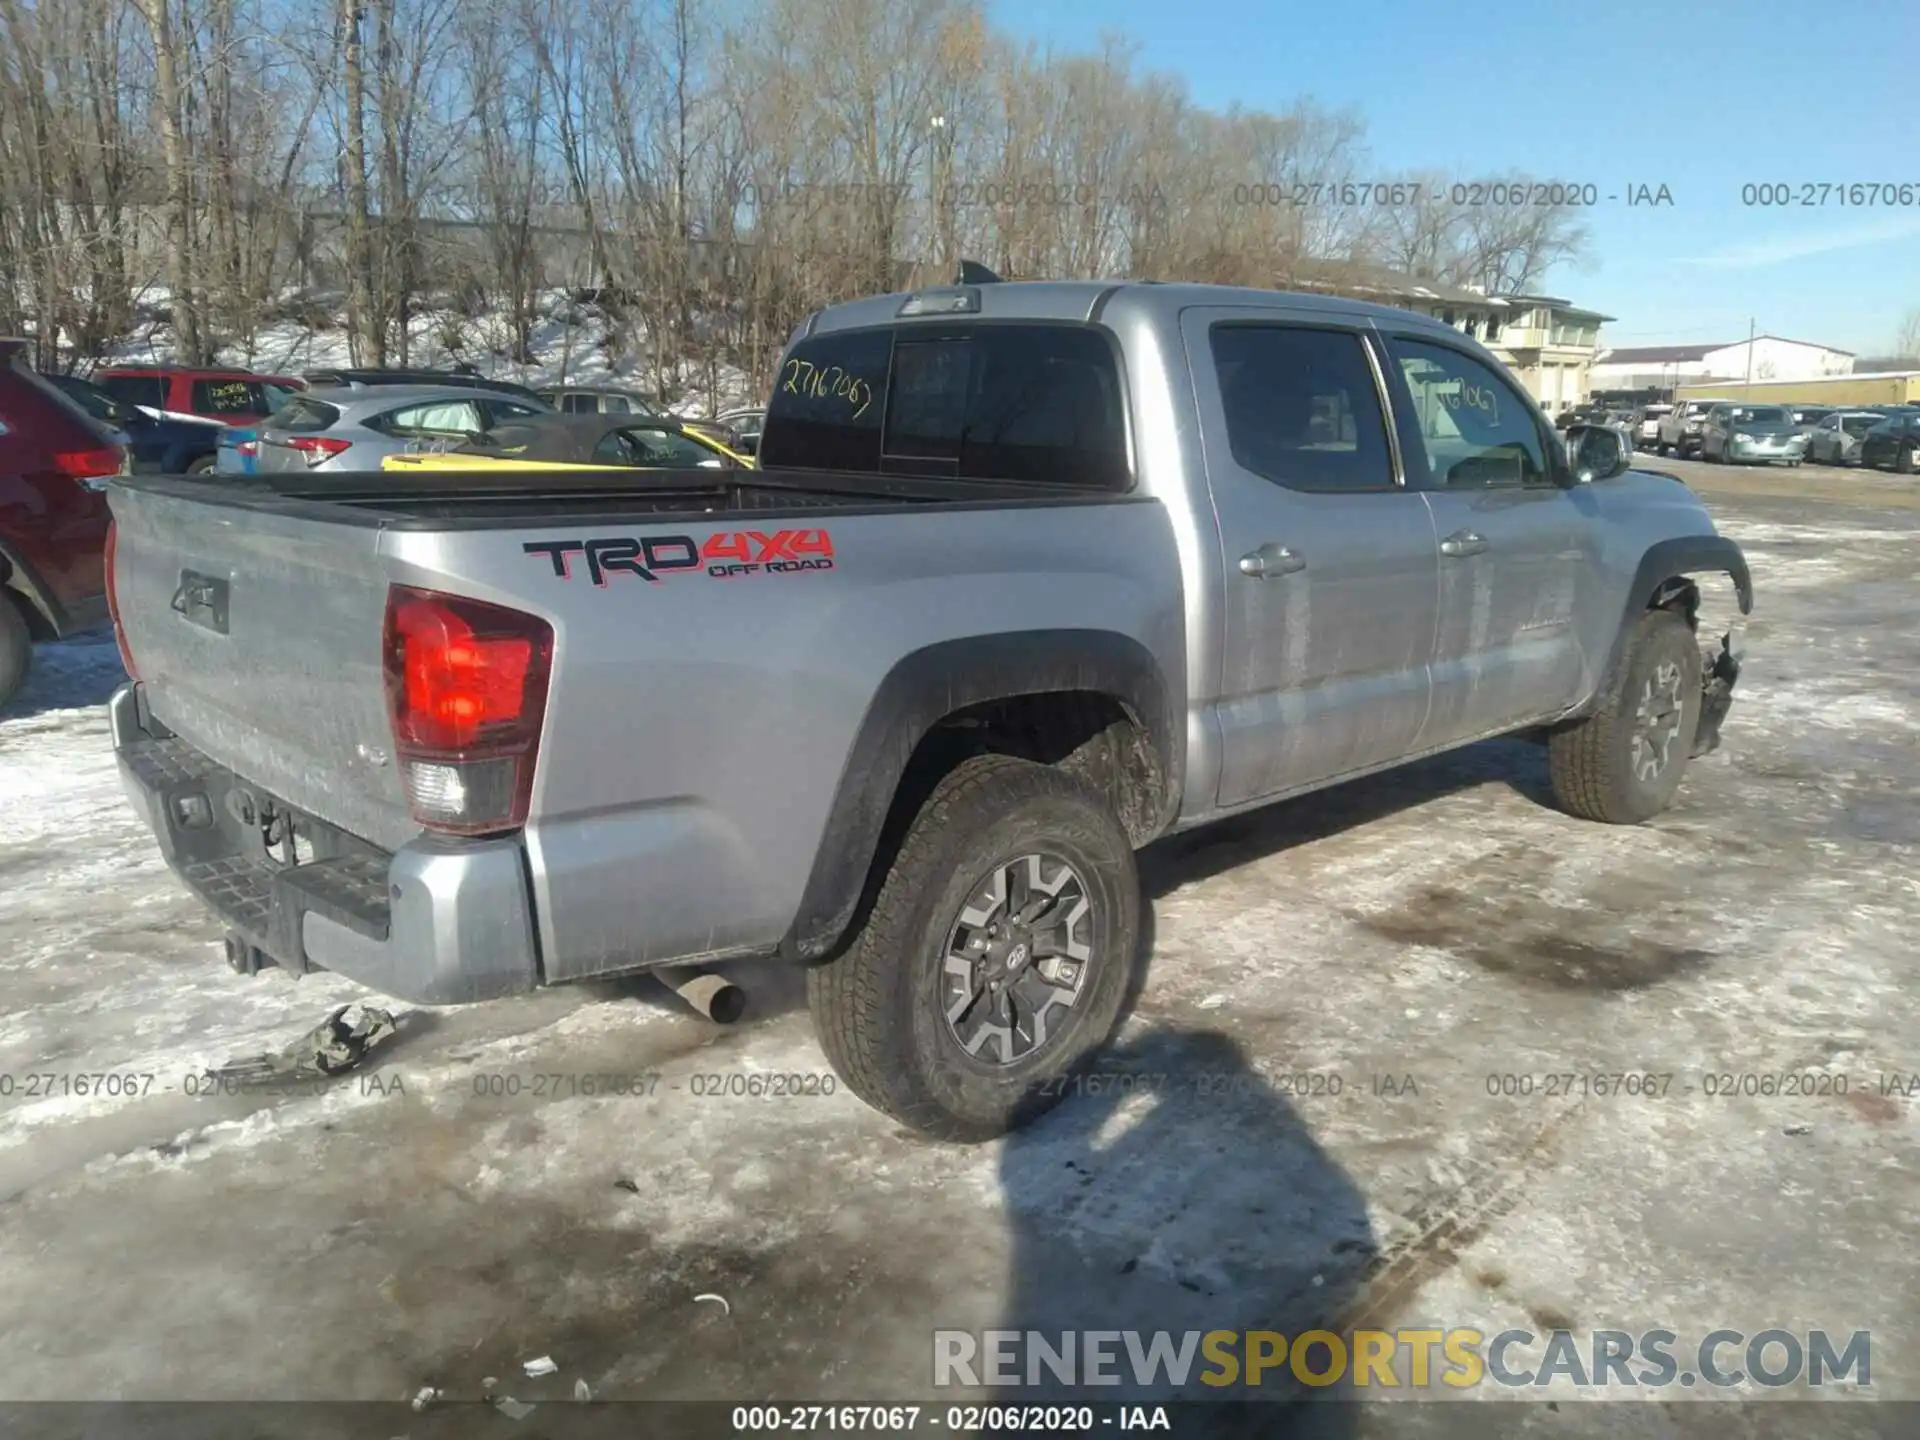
[[1212, 849], [1177, 1192]]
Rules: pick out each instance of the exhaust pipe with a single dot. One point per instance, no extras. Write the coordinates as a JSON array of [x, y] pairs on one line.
[[713, 996]]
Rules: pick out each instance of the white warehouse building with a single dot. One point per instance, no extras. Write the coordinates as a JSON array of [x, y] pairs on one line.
[[1661, 367]]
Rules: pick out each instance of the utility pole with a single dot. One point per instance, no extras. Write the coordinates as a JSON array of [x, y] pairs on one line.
[[942, 200], [1749, 355]]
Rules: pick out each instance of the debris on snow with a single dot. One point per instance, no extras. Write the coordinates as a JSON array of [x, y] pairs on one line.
[[1213, 1002], [543, 1366], [582, 1390], [720, 1300], [513, 1409], [425, 1397], [332, 1047]]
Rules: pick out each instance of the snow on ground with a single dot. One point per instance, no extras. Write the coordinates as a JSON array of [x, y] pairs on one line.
[[1440, 924]]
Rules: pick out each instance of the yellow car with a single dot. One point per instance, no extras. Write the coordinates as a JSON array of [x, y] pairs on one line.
[[582, 442]]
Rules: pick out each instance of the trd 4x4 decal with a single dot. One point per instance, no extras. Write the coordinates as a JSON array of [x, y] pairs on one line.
[[725, 556]]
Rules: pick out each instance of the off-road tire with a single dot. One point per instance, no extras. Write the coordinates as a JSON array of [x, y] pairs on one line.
[[877, 1007], [1590, 761], [16, 649]]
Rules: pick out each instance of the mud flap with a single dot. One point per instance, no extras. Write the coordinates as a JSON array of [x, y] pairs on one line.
[[1717, 682]]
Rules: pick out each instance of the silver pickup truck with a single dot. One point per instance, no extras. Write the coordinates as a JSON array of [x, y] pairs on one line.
[[1034, 574]]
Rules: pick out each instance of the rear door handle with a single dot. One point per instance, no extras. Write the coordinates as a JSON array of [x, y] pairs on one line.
[[1271, 560], [1463, 542]]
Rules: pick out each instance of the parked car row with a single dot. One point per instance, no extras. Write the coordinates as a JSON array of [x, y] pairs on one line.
[[62, 436], [1739, 432]]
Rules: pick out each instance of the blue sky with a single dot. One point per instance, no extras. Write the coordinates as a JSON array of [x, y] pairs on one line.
[[1703, 97]]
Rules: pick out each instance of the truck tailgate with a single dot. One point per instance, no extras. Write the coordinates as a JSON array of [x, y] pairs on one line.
[[257, 637]]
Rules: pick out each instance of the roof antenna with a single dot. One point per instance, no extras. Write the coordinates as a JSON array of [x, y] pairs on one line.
[[972, 273]]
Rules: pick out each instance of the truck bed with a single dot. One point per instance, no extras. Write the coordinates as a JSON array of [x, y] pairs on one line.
[[486, 499], [698, 722]]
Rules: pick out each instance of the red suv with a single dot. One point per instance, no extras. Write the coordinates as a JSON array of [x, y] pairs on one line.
[[234, 397], [55, 460]]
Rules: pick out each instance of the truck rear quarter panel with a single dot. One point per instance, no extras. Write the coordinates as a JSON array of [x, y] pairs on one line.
[[698, 727]]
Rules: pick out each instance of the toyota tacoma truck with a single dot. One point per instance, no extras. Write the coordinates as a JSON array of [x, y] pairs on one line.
[[1034, 574]]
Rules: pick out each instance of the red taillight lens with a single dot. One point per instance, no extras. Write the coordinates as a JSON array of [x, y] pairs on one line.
[[317, 447], [466, 693], [113, 603], [88, 464]]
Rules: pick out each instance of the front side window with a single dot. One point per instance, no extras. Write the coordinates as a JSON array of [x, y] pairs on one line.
[[1476, 430], [1302, 407]]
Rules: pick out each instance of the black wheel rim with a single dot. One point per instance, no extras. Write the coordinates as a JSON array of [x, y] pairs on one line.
[[1017, 959]]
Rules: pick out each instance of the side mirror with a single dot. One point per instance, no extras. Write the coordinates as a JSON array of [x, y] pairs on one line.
[[1596, 452]]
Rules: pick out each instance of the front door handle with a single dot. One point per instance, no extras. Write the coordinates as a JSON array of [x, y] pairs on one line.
[[1463, 542], [1271, 560]]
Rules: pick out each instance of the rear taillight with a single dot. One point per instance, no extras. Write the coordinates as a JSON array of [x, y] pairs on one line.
[[89, 464], [466, 695], [113, 603], [248, 447], [317, 448]]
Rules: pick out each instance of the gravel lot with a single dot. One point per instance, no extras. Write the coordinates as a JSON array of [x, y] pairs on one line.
[[1438, 926]]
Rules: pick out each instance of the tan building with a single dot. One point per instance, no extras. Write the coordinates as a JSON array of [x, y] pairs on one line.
[[1549, 344]]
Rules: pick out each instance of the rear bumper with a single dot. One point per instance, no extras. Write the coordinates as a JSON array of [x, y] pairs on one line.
[[436, 922]]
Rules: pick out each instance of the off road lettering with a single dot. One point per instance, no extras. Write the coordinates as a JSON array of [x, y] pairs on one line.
[[724, 556]]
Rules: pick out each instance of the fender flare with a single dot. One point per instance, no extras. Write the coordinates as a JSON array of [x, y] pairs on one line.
[[926, 686], [1665, 559]]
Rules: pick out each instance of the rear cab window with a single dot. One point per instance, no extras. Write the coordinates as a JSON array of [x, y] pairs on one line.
[[1025, 402]]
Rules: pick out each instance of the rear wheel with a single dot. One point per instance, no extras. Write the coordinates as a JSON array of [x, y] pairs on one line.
[[996, 957], [16, 649], [1903, 460], [201, 466], [1622, 764]]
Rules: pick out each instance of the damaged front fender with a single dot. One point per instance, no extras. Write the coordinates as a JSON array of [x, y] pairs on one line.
[[1716, 690]]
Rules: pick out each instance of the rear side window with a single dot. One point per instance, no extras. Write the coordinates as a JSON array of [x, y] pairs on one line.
[[436, 417], [148, 390], [577, 404], [1302, 407], [1036, 403], [228, 397]]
